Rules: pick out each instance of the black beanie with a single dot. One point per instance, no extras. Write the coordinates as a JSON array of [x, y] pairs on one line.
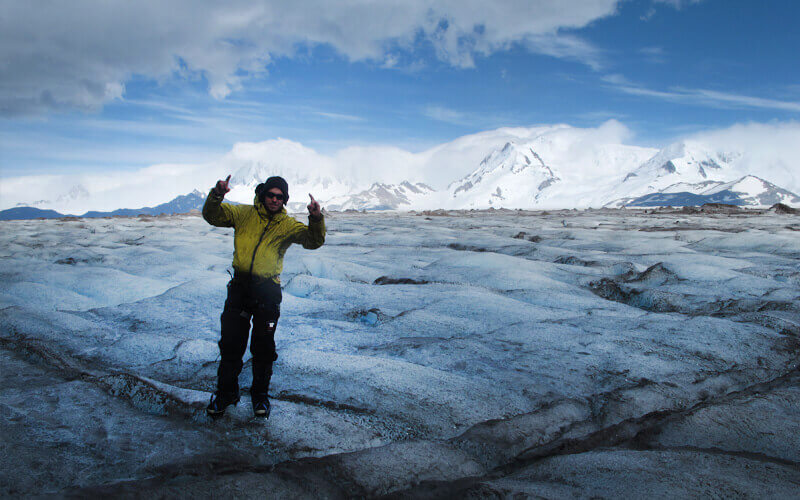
[[273, 182]]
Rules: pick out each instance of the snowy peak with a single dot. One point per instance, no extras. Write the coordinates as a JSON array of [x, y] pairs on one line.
[[381, 196], [696, 188], [749, 185], [684, 162], [755, 191], [418, 188], [511, 158], [76, 192], [690, 167], [749, 191], [513, 172]]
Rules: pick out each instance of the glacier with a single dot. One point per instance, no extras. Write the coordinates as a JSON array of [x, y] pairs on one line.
[[439, 353]]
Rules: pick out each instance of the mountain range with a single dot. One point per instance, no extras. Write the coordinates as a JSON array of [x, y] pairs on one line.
[[530, 168], [748, 191], [179, 205]]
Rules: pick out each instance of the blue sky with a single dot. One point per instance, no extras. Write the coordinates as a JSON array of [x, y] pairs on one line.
[[98, 86]]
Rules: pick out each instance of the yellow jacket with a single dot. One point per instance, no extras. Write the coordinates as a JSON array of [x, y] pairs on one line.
[[260, 239]]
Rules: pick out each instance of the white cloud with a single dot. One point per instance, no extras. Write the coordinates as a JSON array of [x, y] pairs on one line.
[[713, 96], [80, 54], [339, 116], [653, 54], [703, 97], [468, 119], [600, 115], [566, 47], [678, 4], [77, 194], [369, 164], [770, 149], [447, 115]]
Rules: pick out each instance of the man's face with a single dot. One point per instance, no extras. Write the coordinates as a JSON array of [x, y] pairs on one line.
[[273, 200]]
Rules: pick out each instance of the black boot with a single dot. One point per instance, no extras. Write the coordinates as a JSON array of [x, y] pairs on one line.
[[258, 390], [219, 402], [261, 407]]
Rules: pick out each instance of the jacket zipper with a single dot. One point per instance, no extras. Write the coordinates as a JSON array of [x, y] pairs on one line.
[[253, 258]]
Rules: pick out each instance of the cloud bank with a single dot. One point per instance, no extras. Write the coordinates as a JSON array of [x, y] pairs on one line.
[[772, 149], [80, 54], [704, 97]]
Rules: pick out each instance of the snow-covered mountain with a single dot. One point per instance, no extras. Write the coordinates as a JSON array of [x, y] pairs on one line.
[[379, 196], [547, 169], [511, 176], [537, 167], [179, 205], [681, 167], [749, 191], [75, 193], [754, 191]]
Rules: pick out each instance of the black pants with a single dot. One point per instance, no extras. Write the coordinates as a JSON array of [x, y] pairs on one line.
[[249, 297]]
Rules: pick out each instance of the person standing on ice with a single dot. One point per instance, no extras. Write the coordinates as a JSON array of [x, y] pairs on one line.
[[262, 233]]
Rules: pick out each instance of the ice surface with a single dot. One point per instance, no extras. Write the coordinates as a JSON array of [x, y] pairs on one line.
[[411, 347], [645, 474]]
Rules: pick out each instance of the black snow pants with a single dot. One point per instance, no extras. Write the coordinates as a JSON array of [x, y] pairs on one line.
[[249, 297]]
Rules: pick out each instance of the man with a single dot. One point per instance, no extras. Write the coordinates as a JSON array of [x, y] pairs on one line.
[[262, 233]]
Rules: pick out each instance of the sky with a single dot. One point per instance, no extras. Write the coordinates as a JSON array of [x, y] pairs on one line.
[[106, 86]]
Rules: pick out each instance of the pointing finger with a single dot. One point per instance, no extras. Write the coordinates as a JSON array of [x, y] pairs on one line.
[[228, 178]]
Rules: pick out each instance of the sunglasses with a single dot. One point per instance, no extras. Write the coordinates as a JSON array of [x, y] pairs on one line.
[[274, 195]]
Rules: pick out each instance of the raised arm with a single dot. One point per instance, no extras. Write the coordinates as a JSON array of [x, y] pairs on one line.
[[215, 212], [313, 235]]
